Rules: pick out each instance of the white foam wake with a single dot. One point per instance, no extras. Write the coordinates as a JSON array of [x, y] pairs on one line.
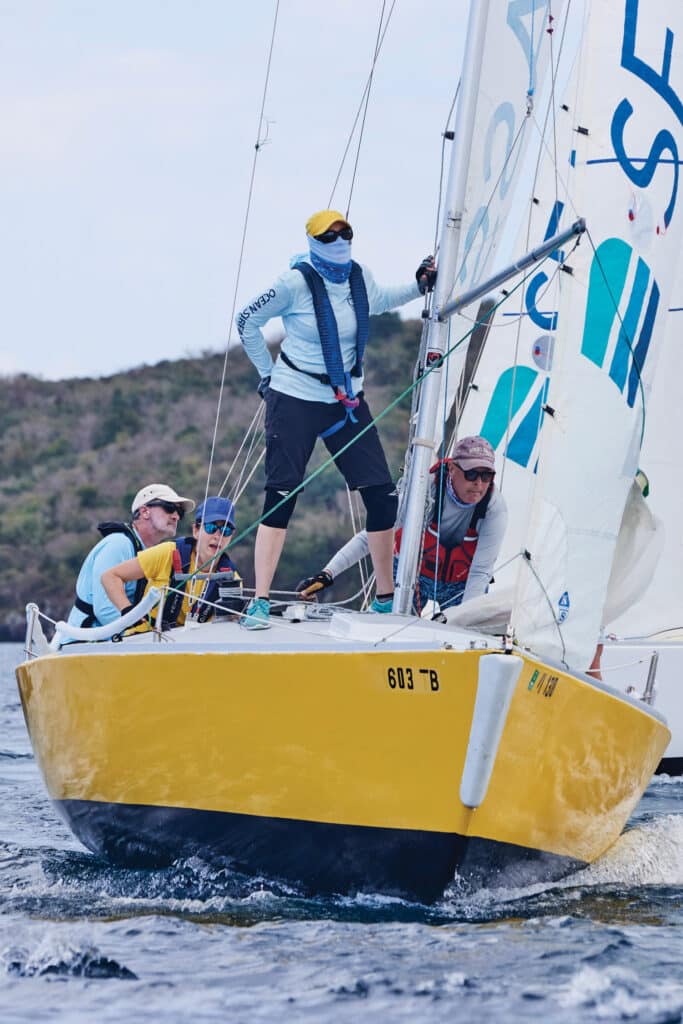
[[649, 854]]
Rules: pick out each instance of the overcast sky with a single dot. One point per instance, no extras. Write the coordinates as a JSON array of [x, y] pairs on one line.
[[126, 147]]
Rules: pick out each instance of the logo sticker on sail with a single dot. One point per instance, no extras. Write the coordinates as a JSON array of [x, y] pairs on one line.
[[515, 412], [621, 308], [563, 606]]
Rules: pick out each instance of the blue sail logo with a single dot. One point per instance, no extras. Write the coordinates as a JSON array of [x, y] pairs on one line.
[[516, 410], [620, 318]]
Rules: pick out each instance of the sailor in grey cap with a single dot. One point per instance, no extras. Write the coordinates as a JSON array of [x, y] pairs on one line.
[[463, 534]]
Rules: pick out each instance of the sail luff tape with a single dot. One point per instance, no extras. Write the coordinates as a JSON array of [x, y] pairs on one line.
[[425, 442]]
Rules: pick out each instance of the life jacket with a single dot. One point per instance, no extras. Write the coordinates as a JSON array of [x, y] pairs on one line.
[[448, 565], [336, 377], [106, 529], [182, 559]]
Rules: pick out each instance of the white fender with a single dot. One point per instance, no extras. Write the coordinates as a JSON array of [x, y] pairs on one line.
[[498, 675], [63, 629]]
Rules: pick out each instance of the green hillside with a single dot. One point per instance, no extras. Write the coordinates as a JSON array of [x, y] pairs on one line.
[[75, 452]]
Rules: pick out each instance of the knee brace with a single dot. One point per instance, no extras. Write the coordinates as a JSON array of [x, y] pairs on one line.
[[281, 516], [381, 502]]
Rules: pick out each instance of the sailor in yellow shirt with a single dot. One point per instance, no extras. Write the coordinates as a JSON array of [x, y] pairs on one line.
[[214, 522]]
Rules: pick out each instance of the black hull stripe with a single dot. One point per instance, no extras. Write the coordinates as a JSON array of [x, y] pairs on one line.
[[323, 858], [670, 766]]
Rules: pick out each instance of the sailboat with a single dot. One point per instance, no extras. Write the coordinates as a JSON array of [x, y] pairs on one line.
[[355, 752]]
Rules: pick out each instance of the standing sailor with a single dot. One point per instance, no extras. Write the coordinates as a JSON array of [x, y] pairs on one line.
[[315, 390]]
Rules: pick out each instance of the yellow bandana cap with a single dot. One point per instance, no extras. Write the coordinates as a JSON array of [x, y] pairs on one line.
[[321, 221]]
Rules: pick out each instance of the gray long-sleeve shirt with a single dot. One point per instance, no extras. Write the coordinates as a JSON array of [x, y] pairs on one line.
[[455, 520]]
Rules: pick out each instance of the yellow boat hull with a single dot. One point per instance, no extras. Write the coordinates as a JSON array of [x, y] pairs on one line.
[[338, 770]]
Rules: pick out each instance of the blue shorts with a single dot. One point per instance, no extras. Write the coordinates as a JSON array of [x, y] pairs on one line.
[[293, 425]]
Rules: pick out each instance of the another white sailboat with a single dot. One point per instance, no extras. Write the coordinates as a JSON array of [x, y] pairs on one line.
[[386, 752]]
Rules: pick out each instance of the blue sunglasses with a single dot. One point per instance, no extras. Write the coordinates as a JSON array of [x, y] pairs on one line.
[[225, 528]]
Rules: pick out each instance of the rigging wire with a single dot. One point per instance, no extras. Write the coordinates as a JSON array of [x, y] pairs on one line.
[[258, 415], [444, 140], [363, 101], [365, 108], [355, 522], [260, 142]]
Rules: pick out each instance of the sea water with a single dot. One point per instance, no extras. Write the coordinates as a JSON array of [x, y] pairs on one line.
[[81, 941]]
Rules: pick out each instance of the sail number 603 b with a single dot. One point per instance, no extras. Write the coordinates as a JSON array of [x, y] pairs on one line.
[[402, 678]]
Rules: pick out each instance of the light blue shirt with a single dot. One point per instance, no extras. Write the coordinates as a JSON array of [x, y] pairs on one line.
[[110, 551], [290, 298]]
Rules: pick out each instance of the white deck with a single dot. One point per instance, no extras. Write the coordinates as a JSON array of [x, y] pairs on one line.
[[343, 631]]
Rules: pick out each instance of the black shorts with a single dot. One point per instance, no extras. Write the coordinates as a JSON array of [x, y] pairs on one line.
[[293, 425]]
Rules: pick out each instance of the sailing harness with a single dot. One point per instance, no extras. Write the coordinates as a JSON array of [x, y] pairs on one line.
[[448, 565], [182, 560], [336, 377], [106, 529]]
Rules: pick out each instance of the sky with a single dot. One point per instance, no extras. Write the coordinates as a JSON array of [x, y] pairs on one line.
[[126, 150]]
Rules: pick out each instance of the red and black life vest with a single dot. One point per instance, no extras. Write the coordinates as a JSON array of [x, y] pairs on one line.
[[448, 565]]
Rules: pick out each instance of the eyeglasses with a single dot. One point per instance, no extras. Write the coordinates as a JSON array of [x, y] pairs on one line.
[[485, 475], [167, 506], [211, 528], [331, 236]]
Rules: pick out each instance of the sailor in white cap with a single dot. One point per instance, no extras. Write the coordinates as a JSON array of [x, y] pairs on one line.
[[156, 511]]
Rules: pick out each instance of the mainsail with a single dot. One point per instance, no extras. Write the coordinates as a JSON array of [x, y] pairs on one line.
[[520, 37], [492, 127]]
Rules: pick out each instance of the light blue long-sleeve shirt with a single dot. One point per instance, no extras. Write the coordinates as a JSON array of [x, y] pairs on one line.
[[110, 551], [290, 298]]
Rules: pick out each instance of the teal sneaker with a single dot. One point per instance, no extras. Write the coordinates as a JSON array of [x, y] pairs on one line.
[[384, 607], [257, 615]]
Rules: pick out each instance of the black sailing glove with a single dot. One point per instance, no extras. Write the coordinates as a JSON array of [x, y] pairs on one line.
[[263, 386], [425, 275], [309, 587]]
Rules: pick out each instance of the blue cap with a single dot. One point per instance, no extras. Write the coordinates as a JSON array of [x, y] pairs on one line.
[[216, 510]]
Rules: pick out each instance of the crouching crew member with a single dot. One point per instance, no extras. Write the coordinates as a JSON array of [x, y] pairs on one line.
[[466, 526], [203, 552], [463, 536]]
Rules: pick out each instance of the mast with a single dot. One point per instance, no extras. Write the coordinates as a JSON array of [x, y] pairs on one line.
[[417, 479]]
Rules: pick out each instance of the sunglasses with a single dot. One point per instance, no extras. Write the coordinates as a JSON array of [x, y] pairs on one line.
[[485, 475], [212, 528], [167, 506], [332, 236]]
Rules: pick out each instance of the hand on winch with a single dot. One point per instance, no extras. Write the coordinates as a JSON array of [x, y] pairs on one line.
[[425, 275], [312, 585]]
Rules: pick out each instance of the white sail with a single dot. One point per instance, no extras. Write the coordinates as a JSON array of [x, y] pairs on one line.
[[659, 605], [506, 52], [519, 37], [627, 125]]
